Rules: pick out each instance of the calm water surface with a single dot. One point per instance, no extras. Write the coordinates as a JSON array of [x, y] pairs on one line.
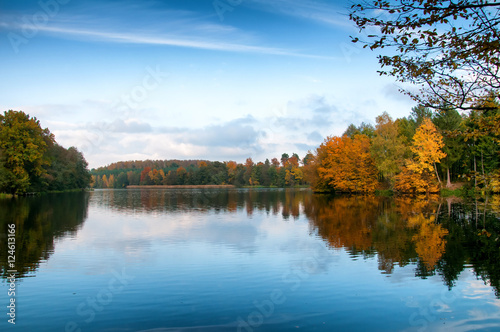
[[250, 260]]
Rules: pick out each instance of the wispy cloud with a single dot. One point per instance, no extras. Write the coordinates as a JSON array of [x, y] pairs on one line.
[[176, 29], [178, 42], [317, 11]]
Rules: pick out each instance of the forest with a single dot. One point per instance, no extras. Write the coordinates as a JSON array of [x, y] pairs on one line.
[[419, 154], [32, 161], [286, 172]]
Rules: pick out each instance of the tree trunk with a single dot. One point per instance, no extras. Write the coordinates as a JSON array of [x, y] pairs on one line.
[[448, 200], [448, 179], [482, 163], [435, 168], [475, 176]]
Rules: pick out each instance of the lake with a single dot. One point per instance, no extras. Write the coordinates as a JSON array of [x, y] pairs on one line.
[[249, 260]]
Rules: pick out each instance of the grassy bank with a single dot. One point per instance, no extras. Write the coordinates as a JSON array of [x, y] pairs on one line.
[[298, 186], [208, 186]]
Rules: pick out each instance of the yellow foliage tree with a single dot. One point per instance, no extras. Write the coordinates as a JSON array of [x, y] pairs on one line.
[[430, 240], [105, 181], [419, 175], [111, 181]]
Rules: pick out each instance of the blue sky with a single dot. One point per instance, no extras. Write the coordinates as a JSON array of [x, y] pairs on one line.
[[190, 79]]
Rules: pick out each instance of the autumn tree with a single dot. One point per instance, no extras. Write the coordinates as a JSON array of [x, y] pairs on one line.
[[420, 175], [145, 175], [284, 159], [155, 176], [105, 183], [345, 164], [249, 164], [450, 48], [388, 149], [23, 143], [427, 146], [111, 181]]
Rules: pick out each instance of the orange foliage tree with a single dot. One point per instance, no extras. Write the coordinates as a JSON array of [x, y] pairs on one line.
[[419, 175], [345, 164]]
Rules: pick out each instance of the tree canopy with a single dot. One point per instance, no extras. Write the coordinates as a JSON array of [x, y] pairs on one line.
[[32, 161], [448, 48]]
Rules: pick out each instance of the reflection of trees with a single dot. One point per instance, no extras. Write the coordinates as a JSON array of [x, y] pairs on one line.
[[346, 221], [439, 235], [39, 221], [287, 202], [398, 230], [430, 239]]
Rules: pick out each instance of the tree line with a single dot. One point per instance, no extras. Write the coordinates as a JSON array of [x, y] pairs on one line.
[[418, 154], [32, 161], [286, 172]]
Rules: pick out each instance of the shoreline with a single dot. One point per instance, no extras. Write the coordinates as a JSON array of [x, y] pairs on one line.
[[204, 186]]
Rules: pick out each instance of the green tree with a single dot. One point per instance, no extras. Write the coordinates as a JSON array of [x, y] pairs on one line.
[[67, 169], [121, 181], [363, 129], [448, 121], [23, 143]]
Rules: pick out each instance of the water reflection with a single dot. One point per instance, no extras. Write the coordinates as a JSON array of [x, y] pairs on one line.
[[39, 222], [441, 236], [287, 202], [438, 236]]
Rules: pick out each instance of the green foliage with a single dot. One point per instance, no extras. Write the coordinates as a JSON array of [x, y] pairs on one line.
[[22, 146], [31, 160], [388, 148], [363, 129], [448, 121]]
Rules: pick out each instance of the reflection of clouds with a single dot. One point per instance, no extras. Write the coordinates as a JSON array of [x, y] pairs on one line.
[[465, 313], [476, 289], [143, 235], [133, 234]]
